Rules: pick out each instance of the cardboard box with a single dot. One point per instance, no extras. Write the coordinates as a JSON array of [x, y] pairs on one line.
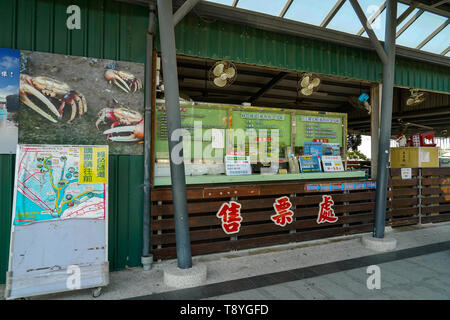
[[415, 157]]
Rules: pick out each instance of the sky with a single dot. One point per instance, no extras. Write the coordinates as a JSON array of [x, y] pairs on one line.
[[9, 62], [313, 12]]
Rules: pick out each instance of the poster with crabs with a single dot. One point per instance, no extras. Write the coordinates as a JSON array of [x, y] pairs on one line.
[[81, 101]]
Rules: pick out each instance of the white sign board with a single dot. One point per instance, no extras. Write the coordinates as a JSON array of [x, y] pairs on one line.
[[59, 220], [332, 164], [406, 173], [237, 165]]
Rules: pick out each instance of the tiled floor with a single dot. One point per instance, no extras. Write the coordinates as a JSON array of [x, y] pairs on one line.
[[417, 273]]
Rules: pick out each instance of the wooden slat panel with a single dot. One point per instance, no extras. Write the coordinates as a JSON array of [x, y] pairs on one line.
[[432, 200], [436, 218], [405, 192], [405, 211], [404, 221], [429, 191], [240, 244], [405, 202], [401, 182], [432, 181], [439, 208], [436, 172], [398, 172], [270, 227]]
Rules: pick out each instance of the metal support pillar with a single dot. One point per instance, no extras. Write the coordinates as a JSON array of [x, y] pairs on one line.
[[146, 256], [385, 120], [177, 171]]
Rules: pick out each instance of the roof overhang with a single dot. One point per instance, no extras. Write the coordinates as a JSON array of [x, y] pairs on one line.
[[284, 26]]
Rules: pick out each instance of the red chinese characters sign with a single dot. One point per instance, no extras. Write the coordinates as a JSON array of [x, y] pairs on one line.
[[230, 213], [326, 212], [283, 214]]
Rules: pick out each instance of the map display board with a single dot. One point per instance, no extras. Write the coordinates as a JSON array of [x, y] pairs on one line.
[[60, 182], [59, 220]]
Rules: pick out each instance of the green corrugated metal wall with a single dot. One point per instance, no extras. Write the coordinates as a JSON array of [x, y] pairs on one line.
[[6, 194], [220, 40], [124, 204]]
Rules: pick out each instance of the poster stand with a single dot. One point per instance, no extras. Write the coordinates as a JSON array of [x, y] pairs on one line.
[[59, 232]]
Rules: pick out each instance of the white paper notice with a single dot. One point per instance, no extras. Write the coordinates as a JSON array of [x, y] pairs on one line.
[[217, 138], [423, 156], [406, 173]]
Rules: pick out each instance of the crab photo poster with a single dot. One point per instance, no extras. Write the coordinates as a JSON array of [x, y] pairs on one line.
[[75, 100], [9, 99]]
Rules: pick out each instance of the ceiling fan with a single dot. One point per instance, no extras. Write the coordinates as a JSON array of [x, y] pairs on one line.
[[308, 84], [223, 73], [416, 97], [405, 125], [361, 102]]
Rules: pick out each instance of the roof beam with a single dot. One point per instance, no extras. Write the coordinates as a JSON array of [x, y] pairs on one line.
[[406, 13], [332, 13], [439, 3], [445, 51], [433, 34], [372, 36], [235, 2], [285, 8], [373, 17], [268, 86], [409, 23], [431, 8], [184, 10]]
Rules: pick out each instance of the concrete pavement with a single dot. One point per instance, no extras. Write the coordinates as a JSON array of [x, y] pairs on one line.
[[399, 277]]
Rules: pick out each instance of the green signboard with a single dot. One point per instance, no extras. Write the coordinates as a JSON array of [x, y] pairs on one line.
[[319, 128], [258, 125]]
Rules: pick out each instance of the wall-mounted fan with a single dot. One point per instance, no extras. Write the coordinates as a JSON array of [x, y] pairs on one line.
[[361, 102], [405, 125], [308, 84], [222, 74], [415, 97]]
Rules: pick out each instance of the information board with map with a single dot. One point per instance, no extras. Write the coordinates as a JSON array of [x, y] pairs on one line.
[[59, 229], [60, 182]]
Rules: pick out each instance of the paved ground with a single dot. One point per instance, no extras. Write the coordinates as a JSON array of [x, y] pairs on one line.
[[419, 278], [323, 269]]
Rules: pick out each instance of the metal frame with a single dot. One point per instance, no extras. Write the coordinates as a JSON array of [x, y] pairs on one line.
[[433, 34], [372, 36], [373, 17], [337, 6], [147, 137]]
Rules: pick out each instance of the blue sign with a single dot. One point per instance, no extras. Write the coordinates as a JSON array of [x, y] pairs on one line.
[[310, 164], [313, 148]]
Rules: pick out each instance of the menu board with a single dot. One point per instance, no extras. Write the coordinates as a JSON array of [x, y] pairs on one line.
[[319, 128], [265, 125], [209, 120]]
